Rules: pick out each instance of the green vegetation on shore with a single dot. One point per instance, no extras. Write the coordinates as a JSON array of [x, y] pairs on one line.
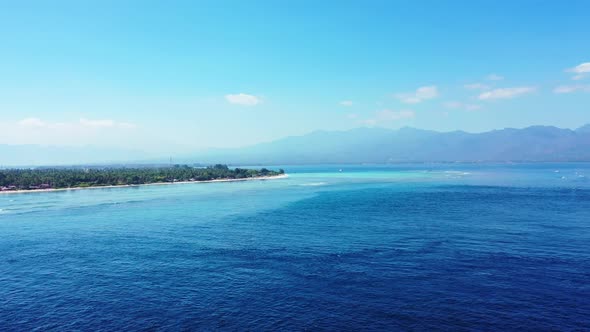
[[55, 178]]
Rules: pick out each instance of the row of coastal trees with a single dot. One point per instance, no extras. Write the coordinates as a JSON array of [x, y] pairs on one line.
[[78, 177]]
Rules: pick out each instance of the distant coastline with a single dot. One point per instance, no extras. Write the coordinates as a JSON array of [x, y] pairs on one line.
[[257, 178], [53, 179]]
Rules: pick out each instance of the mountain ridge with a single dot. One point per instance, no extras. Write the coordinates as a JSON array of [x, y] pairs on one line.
[[380, 145], [357, 145]]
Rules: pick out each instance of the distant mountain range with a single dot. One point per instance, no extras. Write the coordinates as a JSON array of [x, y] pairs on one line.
[[362, 145], [378, 145]]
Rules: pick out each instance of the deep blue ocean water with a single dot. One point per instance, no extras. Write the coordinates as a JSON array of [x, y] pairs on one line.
[[452, 247]]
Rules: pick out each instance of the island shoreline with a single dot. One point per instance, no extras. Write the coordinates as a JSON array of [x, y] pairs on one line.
[[255, 178]]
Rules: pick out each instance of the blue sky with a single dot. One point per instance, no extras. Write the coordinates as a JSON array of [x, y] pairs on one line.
[[186, 75]]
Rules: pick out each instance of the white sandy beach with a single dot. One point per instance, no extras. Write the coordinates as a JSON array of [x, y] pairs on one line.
[[257, 178]]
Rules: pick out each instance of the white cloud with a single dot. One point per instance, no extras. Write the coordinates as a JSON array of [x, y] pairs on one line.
[[476, 86], [106, 124], [76, 132], [494, 77], [352, 116], [32, 123], [452, 104], [126, 125], [81, 124], [506, 93], [460, 105], [242, 99], [97, 123], [346, 103], [389, 115], [571, 88], [582, 70], [36, 123], [421, 94], [385, 116]]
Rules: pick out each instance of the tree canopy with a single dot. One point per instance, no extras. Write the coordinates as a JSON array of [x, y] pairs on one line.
[[23, 179]]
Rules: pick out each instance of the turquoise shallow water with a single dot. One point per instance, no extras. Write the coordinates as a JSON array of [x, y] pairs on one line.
[[447, 247]]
